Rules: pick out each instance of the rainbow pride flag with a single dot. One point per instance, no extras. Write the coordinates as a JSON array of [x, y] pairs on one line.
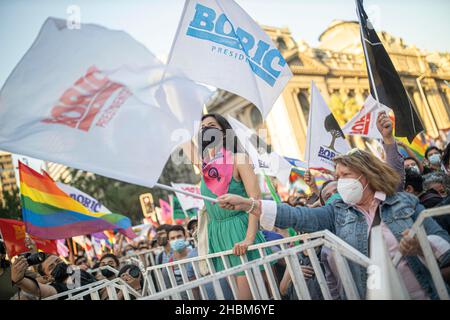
[[418, 146], [49, 213]]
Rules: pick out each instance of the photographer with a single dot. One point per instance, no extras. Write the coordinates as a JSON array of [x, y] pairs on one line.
[[7, 290], [62, 275]]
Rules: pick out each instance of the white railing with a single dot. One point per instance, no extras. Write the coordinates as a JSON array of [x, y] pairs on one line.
[[418, 230], [160, 281], [342, 251]]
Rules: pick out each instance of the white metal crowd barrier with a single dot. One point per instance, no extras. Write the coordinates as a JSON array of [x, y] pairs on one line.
[[109, 289], [160, 280], [418, 230], [340, 249]]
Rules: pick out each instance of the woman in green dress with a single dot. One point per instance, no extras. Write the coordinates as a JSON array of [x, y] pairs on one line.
[[225, 170]]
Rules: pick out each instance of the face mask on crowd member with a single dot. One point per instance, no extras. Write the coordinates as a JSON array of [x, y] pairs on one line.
[[177, 238], [210, 137], [351, 190], [328, 189], [161, 235], [216, 132], [110, 260], [334, 196], [433, 155], [435, 159], [56, 268]]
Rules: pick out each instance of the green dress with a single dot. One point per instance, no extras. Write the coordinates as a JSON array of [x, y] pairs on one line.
[[226, 228]]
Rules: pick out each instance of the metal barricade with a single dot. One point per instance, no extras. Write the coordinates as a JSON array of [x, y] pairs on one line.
[[254, 274]]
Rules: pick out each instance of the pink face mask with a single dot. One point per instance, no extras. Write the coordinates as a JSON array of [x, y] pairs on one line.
[[217, 173]]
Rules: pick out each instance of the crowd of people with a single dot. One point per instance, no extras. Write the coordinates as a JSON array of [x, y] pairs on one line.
[[365, 192]]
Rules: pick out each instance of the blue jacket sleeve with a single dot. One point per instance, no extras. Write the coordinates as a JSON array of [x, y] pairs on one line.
[[305, 219]]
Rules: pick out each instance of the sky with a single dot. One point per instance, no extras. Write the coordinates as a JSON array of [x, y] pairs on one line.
[[424, 23]]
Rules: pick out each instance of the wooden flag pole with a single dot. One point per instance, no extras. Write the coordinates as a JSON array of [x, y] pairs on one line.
[[195, 195]]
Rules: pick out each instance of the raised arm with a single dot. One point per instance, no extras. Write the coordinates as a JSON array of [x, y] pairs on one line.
[[393, 157], [283, 216], [34, 288]]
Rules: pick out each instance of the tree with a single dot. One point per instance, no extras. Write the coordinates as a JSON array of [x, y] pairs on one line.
[[343, 109], [333, 128], [10, 206]]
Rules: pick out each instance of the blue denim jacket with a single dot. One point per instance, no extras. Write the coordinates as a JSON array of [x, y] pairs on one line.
[[398, 212]]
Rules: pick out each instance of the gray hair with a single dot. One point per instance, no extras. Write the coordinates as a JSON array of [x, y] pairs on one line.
[[436, 177]]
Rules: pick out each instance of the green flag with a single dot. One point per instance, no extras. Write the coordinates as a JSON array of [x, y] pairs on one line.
[[277, 199], [192, 212], [178, 213]]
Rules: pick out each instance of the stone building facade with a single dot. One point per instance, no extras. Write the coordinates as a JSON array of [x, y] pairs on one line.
[[337, 66]]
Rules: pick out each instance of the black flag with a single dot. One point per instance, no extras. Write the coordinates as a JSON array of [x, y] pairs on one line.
[[385, 84]]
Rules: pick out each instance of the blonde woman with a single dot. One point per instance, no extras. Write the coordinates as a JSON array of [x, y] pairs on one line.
[[368, 190]]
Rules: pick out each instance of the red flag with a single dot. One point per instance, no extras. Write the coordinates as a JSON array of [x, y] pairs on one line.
[[13, 233]]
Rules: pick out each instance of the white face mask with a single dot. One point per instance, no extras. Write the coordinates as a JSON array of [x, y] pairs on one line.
[[351, 190]]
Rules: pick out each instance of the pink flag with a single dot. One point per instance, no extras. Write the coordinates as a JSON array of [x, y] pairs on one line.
[[166, 212], [61, 247]]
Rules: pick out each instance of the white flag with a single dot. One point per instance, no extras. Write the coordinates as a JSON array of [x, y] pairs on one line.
[[364, 123], [188, 202], [92, 204], [93, 99], [219, 44], [325, 138], [264, 163]]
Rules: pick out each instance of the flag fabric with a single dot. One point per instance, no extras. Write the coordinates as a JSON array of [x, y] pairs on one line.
[[385, 83], [418, 146], [49, 213], [13, 234], [177, 211], [325, 138], [364, 123], [219, 44], [188, 202], [62, 248], [166, 212], [92, 204], [272, 190], [296, 163], [264, 163], [78, 98]]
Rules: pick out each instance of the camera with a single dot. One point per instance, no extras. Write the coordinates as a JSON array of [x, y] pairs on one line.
[[34, 258]]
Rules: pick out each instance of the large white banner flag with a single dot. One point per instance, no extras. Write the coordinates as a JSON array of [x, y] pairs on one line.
[[94, 99], [219, 44], [364, 123], [188, 202], [264, 163], [325, 138]]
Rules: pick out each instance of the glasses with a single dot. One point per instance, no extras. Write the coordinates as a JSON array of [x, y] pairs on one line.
[[353, 151]]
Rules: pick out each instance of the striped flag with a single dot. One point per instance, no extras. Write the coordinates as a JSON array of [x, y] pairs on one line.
[[49, 213]]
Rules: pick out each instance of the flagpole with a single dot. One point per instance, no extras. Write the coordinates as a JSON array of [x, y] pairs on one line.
[[369, 68], [195, 195], [309, 123]]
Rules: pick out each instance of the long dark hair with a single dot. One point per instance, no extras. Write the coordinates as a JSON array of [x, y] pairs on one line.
[[228, 133]]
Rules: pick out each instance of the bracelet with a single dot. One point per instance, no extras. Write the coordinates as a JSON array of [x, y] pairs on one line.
[[252, 207]]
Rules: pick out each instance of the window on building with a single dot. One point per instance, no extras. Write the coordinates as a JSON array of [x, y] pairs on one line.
[[303, 99], [256, 117], [281, 44]]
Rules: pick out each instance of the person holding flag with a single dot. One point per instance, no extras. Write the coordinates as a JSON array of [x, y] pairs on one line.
[[224, 170]]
